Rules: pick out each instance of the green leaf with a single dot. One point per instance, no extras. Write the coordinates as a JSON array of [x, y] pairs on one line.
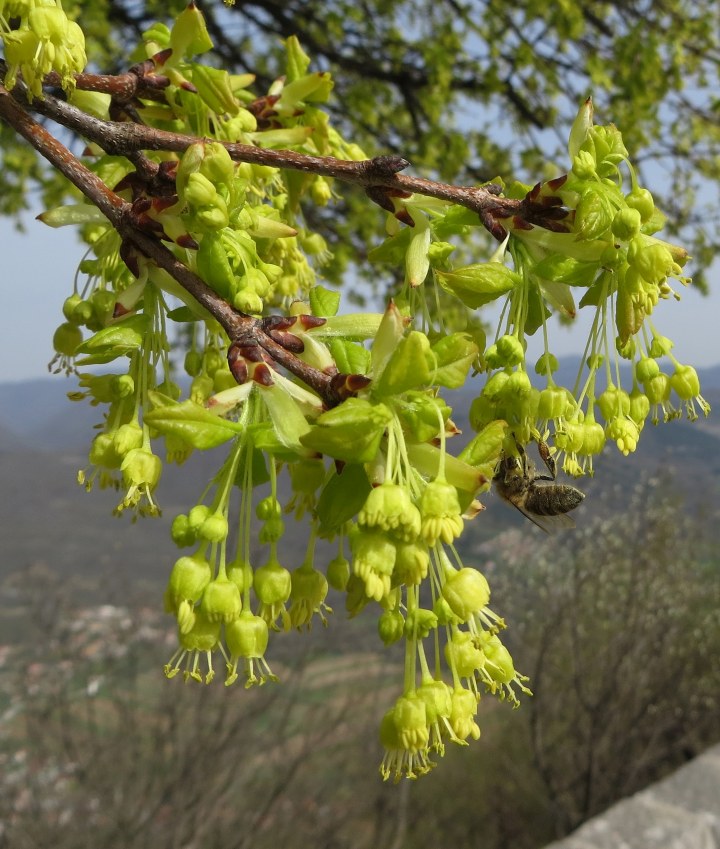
[[118, 339], [258, 466], [453, 356], [407, 367], [479, 284], [486, 447], [290, 423], [182, 314], [190, 422], [351, 431], [565, 269], [593, 215], [393, 250], [324, 302], [350, 357], [418, 414], [426, 459], [266, 440], [342, 498], [536, 310]]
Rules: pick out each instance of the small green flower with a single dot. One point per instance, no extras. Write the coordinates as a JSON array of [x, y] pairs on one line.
[[686, 384], [462, 714], [411, 563], [221, 601], [499, 670], [247, 639], [440, 511], [391, 626], [307, 596], [419, 623], [338, 572], [201, 639], [188, 579], [462, 655], [389, 508], [404, 734], [625, 433], [373, 561], [437, 697], [141, 470], [273, 585], [466, 592]]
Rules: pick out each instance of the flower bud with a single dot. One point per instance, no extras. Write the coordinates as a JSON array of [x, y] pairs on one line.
[[214, 528], [268, 508], [247, 636], [221, 601], [180, 532], [510, 349], [467, 592], [420, 622], [273, 583], [240, 573], [626, 224], [411, 563], [338, 572], [642, 201], [462, 714], [391, 626], [127, 437], [67, 339], [188, 579], [685, 382]]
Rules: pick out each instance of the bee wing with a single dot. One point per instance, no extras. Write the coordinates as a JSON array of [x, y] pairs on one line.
[[549, 524]]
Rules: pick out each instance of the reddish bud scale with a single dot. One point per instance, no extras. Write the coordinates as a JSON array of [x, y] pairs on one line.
[[262, 375]]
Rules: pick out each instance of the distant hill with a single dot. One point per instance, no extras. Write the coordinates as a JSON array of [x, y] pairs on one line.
[[47, 517]]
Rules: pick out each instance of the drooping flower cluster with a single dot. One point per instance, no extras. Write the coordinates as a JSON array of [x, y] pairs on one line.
[[369, 469], [44, 40]]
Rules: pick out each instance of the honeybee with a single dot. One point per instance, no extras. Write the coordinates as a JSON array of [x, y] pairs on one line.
[[537, 496]]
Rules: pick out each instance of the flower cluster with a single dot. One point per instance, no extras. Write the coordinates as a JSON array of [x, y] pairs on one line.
[[46, 40], [369, 466]]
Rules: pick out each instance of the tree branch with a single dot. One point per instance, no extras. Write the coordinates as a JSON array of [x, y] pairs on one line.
[[240, 328], [122, 138]]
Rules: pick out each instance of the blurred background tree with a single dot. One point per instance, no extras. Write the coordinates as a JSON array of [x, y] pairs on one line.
[[448, 83]]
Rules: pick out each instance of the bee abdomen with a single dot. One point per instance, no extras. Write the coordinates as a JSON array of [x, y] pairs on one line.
[[554, 499]]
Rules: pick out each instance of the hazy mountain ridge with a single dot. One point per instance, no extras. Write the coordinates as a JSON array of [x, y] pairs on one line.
[[48, 518]]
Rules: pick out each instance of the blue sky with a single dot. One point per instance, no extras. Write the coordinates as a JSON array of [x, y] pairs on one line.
[[39, 265]]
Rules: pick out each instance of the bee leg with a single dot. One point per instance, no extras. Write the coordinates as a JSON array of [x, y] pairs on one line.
[[548, 459]]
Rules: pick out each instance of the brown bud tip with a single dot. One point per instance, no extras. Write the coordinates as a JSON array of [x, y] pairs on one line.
[[160, 58], [380, 196], [187, 241], [495, 229], [262, 375], [309, 321], [277, 322], [119, 310], [385, 166], [289, 341], [129, 257], [237, 364], [168, 169], [404, 216], [520, 223], [161, 204], [141, 205], [557, 182], [345, 385]]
